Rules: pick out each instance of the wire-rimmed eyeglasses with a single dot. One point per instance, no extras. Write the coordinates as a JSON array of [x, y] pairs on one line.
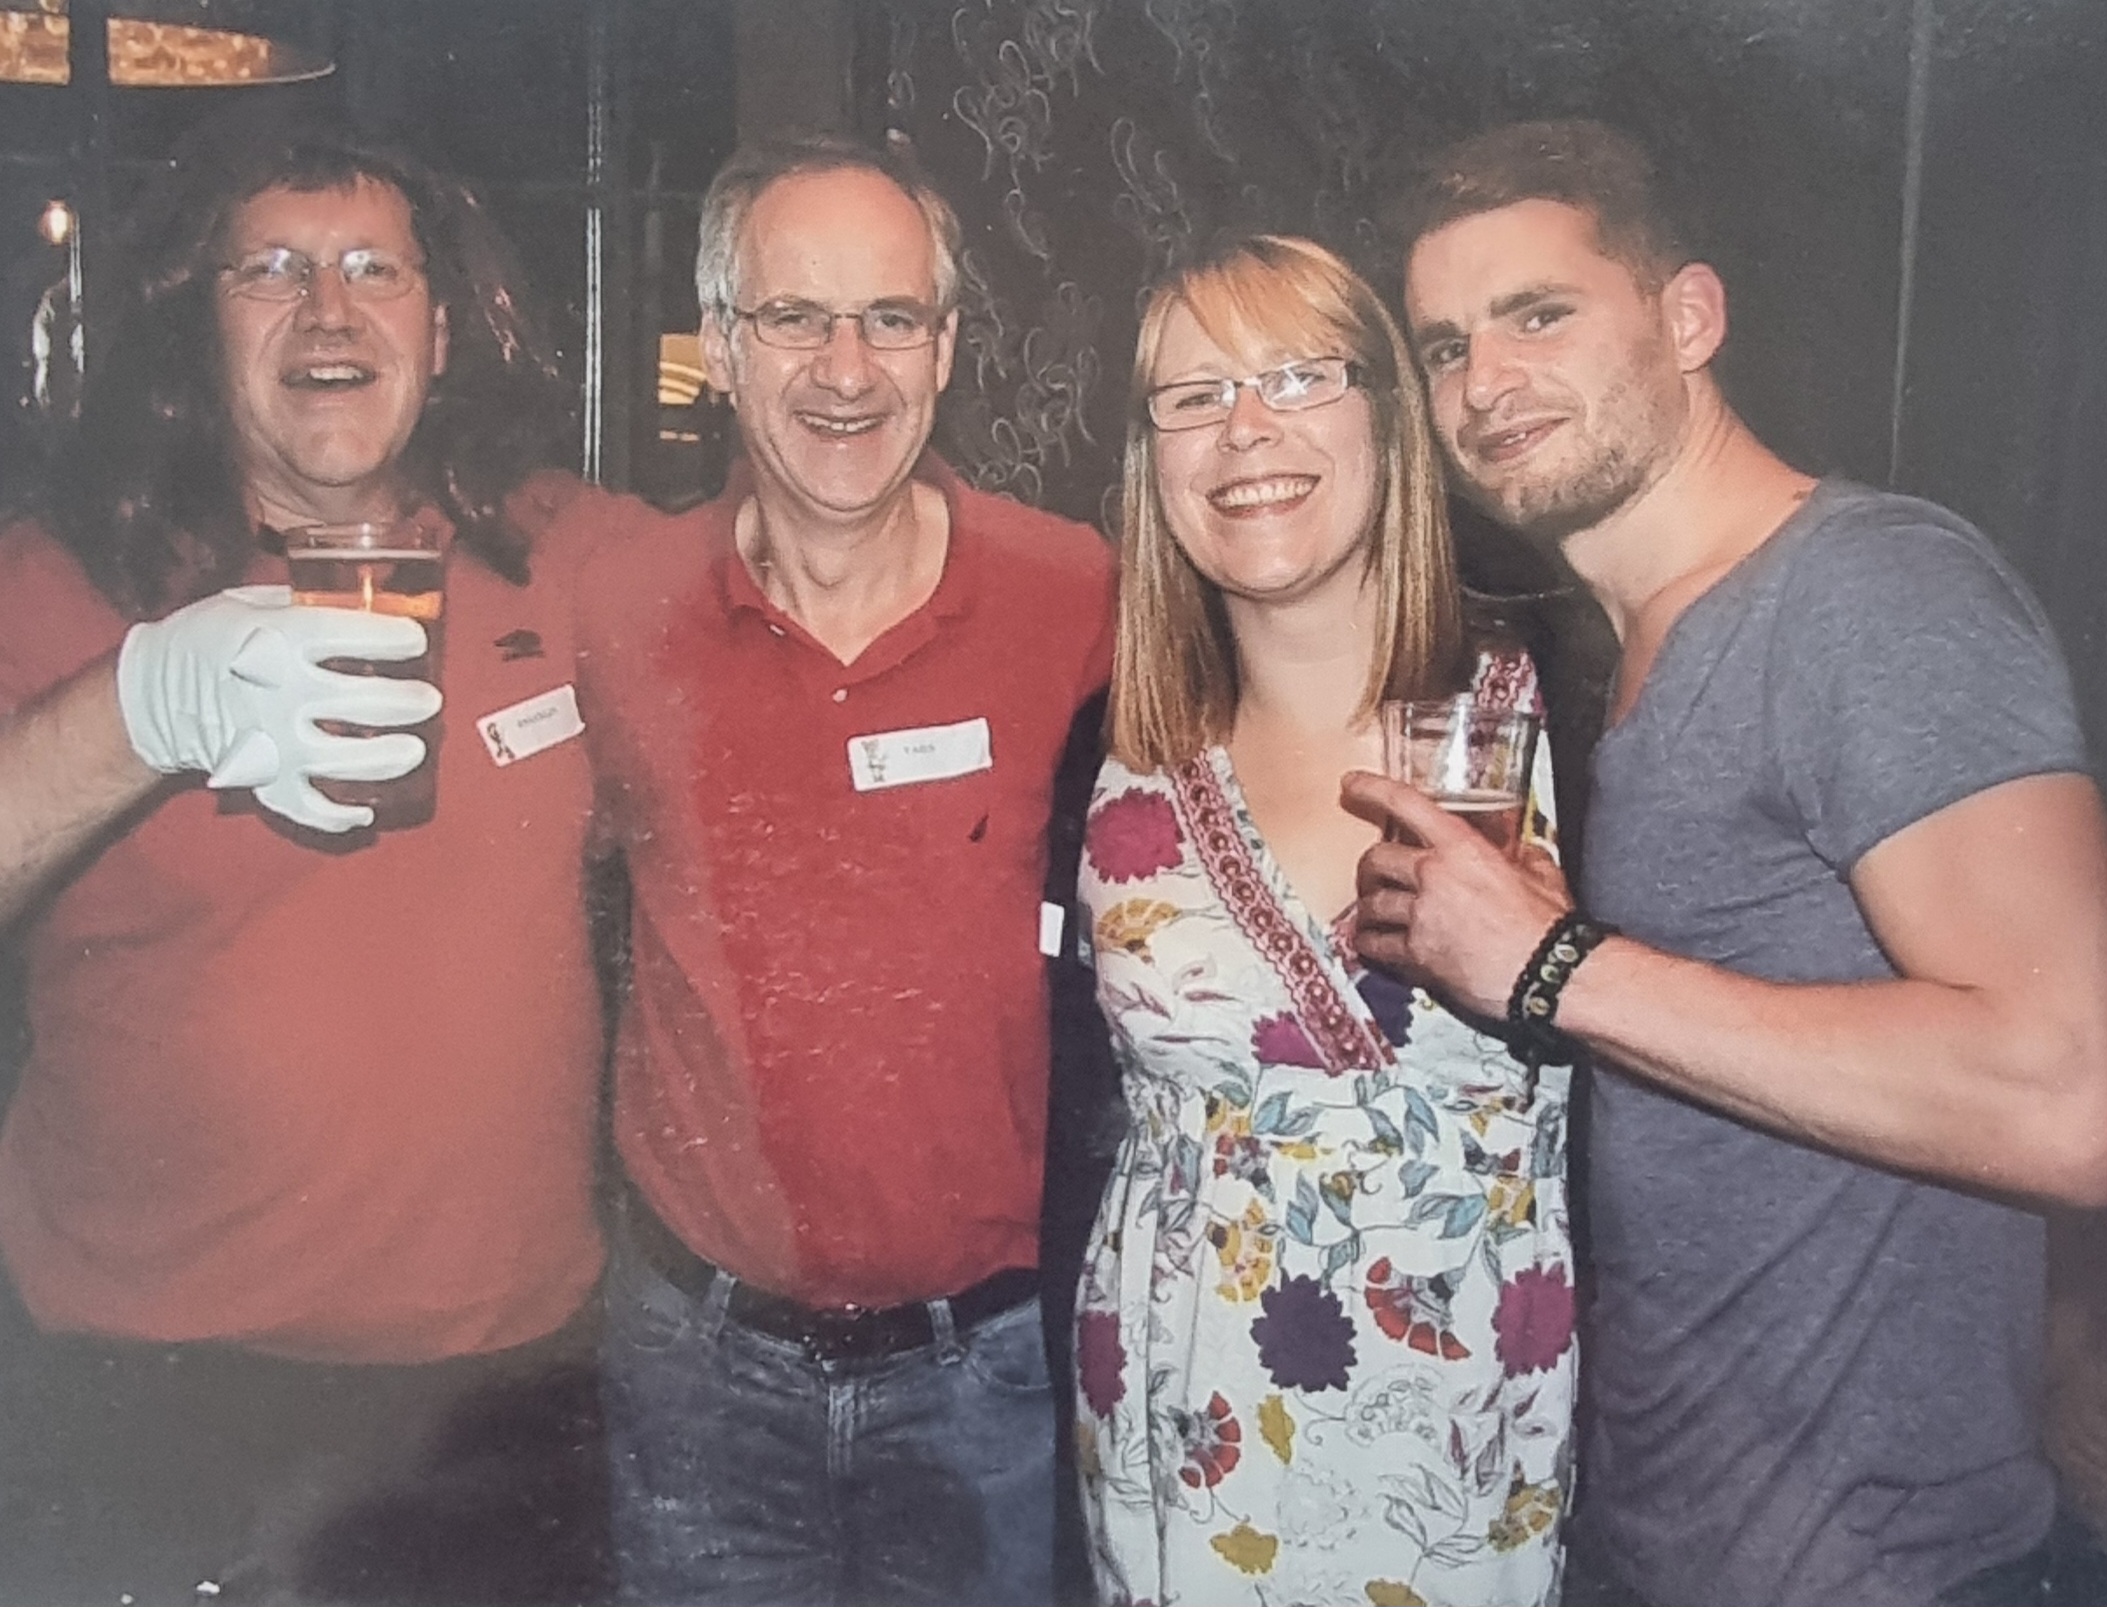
[[803, 326], [279, 273], [1198, 404]]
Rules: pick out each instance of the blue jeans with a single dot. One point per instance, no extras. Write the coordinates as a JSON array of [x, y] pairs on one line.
[[743, 1472]]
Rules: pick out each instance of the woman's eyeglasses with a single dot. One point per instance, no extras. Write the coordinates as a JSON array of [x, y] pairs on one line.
[[1198, 404]]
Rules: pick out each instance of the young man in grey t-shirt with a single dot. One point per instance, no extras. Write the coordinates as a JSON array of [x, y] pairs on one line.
[[1859, 1005]]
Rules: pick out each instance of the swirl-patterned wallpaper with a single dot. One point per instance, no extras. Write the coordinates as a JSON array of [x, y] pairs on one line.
[[1087, 142]]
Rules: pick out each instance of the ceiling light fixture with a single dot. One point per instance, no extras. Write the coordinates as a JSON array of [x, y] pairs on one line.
[[170, 44]]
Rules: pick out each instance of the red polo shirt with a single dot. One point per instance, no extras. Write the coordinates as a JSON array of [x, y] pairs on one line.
[[832, 1073], [329, 1099]]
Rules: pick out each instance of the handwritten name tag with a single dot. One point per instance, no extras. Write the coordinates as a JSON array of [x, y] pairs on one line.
[[526, 728], [926, 753]]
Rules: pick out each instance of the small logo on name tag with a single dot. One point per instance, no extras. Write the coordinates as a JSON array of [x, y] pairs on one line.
[[526, 728], [926, 753]]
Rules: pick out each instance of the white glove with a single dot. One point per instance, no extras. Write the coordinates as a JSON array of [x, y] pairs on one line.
[[233, 685]]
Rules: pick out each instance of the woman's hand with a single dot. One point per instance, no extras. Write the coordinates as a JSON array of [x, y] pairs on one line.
[[1450, 911]]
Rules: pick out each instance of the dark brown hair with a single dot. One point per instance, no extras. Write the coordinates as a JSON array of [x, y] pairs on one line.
[[1585, 164]]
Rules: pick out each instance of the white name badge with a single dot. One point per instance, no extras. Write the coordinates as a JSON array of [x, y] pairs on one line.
[[927, 753], [1053, 921], [526, 728]]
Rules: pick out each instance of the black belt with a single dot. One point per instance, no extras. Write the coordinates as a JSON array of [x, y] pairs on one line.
[[845, 1333]]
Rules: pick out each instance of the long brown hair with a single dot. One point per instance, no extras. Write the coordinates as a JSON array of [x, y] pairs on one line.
[[1174, 676]]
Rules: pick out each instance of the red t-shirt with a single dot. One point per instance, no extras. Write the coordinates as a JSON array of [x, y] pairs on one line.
[[332, 1103], [832, 1074]]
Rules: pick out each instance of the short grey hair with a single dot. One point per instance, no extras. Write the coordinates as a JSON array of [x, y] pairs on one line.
[[752, 169]]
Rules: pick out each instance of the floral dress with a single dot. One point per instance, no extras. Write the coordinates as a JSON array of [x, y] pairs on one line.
[[1325, 1330]]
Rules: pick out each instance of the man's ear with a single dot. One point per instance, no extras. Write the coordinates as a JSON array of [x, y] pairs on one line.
[[439, 341], [716, 356], [1694, 306], [946, 344]]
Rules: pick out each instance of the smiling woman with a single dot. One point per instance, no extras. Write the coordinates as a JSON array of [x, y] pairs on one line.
[[1330, 1289]]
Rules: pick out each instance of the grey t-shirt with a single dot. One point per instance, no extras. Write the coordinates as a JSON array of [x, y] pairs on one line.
[[1814, 1380]]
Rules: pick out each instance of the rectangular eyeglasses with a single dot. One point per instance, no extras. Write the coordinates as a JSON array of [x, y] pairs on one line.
[[886, 326], [1198, 404], [279, 273]]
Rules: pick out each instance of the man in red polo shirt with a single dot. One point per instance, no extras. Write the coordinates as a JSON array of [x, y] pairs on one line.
[[827, 739], [297, 1212]]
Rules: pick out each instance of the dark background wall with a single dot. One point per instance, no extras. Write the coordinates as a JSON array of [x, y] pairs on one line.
[[1908, 200]]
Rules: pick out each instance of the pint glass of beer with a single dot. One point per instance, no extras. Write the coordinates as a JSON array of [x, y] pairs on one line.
[[1469, 757], [389, 567]]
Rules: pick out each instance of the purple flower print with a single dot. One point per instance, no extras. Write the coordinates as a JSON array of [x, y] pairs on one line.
[[1305, 1338], [1533, 1323], [1100, 1360], [1132, 836], [1280, 1041]]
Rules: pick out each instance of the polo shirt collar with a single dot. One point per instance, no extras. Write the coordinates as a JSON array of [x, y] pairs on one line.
[[963, 555]]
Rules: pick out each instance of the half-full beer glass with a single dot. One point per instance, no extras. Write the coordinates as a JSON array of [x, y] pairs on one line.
[[1471, 758], [388, 567]]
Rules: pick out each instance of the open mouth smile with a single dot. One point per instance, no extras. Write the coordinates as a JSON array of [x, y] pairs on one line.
[[333, 376], [839, 429], [1266, 495]]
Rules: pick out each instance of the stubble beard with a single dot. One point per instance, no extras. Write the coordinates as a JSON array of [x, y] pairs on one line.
[[1606, 467]]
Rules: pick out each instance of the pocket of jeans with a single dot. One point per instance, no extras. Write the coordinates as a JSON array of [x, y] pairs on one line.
[[1008, 1353]]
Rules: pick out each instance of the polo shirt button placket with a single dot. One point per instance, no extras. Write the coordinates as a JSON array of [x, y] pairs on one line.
[[841, 694]]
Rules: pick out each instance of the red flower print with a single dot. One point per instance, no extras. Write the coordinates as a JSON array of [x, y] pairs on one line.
[[1414, 1310], [1212, 1441], [1100, 1360], [1533, 1323], [1281, 1041], [1132, 836], [1507, 680]]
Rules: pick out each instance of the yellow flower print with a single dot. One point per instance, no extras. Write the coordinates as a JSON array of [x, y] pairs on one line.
[[1246, 1251], [1389, 1593], [1530, 1510], [1276, 1427], [1130, 924], [1087, 1461], [1247, 1550], [1510, 1202]]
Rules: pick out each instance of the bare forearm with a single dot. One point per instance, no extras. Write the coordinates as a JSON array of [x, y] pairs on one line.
[[67, 770], [1984, 1061], [1917, 1075]]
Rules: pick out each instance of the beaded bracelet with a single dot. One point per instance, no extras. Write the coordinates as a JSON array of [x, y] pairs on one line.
[[1533, 1006]]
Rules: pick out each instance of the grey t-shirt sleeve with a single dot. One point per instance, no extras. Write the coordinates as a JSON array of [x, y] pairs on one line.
[[1909, 669]]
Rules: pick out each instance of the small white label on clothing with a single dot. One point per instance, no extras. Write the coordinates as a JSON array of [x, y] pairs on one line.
[[526, 728], [927, 753], [1053, 921]]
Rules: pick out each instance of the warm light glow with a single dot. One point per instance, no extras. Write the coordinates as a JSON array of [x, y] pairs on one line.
[[55, 223], [679, 370], [147, 55]]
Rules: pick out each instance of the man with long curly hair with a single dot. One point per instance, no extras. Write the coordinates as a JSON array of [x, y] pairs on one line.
[[295, 1191]]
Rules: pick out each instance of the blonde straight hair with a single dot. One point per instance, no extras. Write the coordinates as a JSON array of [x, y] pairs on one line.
[[1174, 676]]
